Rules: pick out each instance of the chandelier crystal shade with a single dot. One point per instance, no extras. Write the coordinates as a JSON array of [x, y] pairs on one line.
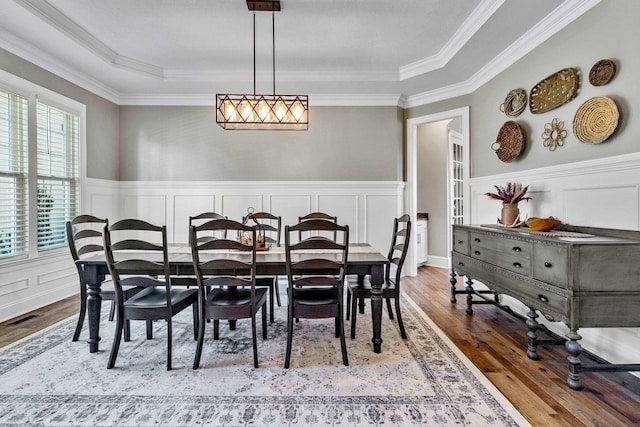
[[257, 111]]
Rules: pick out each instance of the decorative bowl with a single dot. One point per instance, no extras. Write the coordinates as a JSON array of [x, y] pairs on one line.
[[543, 224]]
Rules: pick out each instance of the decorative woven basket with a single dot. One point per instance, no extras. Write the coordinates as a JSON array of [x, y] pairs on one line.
[[555, 90], [515, 103], [509, 142], [602, 72], [596, 120]]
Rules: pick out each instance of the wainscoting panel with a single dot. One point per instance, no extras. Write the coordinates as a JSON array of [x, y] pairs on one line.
[[599, 193], [345, 207], [290, 208], [379, 209], [186, 206], [7, 288]]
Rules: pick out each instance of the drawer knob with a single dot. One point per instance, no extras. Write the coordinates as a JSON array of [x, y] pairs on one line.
[[477, 252], [476, 240], [461, 264], [543, 298], [547, 264], [517, 265], [517, 249], [460, 242]]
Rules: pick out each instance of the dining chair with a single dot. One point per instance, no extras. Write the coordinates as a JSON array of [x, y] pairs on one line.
[[84, 237], [271, 226], [204, 217], [391, 286], [136, 254], [316, 270], [318, 215], [228, 268]]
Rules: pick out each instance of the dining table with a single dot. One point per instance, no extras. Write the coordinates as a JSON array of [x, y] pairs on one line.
[[363, 260]]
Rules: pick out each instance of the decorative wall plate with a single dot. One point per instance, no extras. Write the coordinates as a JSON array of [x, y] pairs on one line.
[[509, 142], [602, 72], [554, 134], [515, 103], [555, 90], [596, 120]]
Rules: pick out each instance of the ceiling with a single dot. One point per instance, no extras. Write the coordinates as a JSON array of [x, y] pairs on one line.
[[342, 52]]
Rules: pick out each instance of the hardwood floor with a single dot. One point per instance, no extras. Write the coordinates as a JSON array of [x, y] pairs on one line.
[[492, 339], [495, 341]]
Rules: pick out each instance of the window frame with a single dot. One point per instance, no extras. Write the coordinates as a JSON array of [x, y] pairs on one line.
[[35, 93]]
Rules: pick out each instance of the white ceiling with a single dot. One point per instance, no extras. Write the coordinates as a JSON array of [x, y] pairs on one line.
[[358, 52]]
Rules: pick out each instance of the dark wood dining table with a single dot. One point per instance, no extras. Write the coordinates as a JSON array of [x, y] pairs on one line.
[[363, 260]]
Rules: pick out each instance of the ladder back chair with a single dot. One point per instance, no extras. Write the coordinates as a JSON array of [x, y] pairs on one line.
[[318, 215], [228, 268], [136, 254], [391, 286], [272, 226], [84, 237], [316, 270]]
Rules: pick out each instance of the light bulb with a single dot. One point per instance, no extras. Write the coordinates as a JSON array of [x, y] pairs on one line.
[[263, 110], [245, 109], [230, 110], [298, 110], [281, 110]]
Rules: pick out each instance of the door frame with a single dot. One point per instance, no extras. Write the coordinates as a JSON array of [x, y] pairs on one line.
[[411, 190]]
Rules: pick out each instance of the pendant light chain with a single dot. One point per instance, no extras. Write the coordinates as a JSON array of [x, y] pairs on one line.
[[273, 38]]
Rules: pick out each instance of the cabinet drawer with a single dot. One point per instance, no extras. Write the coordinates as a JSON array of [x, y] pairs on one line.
[[461, 241], [513, 261], [547, 302], [551, 264], [501, 244]]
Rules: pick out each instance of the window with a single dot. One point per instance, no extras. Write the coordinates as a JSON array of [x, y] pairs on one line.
[[58, 179], [14, 223], [39, 167]]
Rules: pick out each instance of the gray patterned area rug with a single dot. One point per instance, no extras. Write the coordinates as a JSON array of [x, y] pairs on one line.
[[46, 379]]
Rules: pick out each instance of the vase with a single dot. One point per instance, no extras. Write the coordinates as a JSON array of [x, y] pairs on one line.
[[509, 214]]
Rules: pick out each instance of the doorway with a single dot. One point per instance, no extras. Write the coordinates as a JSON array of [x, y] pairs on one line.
[[459, 188]]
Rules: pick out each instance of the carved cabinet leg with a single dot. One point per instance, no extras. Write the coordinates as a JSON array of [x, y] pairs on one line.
[[453, 281], [532, 325], [469, 290], [574, 349]]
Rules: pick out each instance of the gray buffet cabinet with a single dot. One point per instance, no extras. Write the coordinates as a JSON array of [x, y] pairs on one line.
[[588, 279]]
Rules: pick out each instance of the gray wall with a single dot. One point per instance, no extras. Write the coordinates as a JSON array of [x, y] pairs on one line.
[[185, 143], [102, 115], [609, 30], [432, 183]]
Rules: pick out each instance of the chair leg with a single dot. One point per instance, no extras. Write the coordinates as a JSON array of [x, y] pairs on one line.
[[127, 330], [112, 310], [216, 329], [83, 311], [275, 284], [337, 321], [196, 321], [343, 343], [389, 308], [201, 325], [354, 316], [169, 342], [254, 339], [264, 321], [271, 303], [149, 329], [287, 359], [348, 303], [116, 339], [403, 333]]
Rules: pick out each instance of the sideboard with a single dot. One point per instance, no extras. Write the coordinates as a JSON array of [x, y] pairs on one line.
[[582, 276]]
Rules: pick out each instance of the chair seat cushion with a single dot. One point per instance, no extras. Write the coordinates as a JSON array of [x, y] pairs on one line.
[[315, 296], [366, 285], [234, 296], [157, 297]]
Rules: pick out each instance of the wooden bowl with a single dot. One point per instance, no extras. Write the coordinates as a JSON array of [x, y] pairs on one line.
[[543, 224]]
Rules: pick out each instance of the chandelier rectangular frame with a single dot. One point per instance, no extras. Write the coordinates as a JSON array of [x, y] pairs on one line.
[[261, 111]]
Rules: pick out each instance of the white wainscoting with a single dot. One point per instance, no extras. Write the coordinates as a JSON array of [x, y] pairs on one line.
[[367, 207], [600, 193]]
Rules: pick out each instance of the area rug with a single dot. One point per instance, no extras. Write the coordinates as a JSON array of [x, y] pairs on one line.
[[46, 379]]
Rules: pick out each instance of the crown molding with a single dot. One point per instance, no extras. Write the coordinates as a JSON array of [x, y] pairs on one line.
[[49, 63], [469, 27], [562, 16]]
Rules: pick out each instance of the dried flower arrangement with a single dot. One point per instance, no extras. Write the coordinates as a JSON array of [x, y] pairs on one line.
[[512, 193]]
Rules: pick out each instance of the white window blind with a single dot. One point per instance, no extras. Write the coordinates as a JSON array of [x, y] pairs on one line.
[[13, 175], [58, 175]]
